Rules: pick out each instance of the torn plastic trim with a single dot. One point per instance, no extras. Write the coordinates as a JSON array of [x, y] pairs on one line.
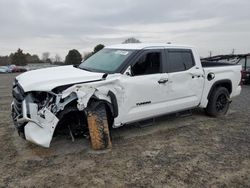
[[82, 94], [113, 103], [25, 117]]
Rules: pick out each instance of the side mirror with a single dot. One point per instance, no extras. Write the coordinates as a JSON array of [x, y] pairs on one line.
[[128, 71]]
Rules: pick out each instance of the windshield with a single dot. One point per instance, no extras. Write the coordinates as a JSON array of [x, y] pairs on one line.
[[106, 60]]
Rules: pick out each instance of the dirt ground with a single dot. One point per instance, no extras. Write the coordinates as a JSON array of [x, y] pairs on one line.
[[190, 151]]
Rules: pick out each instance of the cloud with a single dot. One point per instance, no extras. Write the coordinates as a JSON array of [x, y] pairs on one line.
[[60, 25]]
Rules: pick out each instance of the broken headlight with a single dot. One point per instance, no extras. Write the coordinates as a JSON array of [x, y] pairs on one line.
[[43, 99]]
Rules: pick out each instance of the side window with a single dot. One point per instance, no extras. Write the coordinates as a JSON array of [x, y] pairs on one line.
[[180, 60], [149, 63]]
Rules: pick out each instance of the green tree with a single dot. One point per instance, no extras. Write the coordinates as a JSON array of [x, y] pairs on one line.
[[19, 58], [73, 57], [32, 58], [5, 60], [98, 48]]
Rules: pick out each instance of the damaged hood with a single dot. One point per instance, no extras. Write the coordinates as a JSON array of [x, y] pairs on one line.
[[49, 78]]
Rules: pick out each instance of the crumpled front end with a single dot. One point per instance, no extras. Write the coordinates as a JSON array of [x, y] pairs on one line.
[[35, 112], [34, 120]]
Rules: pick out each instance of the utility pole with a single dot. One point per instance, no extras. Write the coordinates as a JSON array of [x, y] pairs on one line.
[[210, 53]]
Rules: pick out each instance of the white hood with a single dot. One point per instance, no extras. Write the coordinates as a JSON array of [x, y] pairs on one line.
[[49, 78]]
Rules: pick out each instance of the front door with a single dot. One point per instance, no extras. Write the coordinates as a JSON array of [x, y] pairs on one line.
[[144, 90]]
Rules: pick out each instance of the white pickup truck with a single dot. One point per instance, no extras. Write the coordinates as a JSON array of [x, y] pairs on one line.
[[119, 85]]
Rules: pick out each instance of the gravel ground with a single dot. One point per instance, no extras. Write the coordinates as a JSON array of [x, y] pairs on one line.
[[190, 151]]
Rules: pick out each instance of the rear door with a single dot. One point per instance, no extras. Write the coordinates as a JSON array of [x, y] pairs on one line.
[[185, 79]]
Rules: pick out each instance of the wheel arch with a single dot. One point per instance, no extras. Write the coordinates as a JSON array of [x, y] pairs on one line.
[[110, 104], [110, 109], [221, 83]]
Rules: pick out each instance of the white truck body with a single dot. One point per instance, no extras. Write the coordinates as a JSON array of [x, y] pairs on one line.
[[137, 97]]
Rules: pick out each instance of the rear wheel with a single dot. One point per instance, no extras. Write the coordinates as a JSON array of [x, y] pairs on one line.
[[218, 103]]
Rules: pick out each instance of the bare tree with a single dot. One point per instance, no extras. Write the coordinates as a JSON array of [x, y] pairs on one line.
[[57, 58], [45, 56]]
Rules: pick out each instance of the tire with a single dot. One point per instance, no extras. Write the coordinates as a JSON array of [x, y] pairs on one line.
[[218, 103], [98, 126]]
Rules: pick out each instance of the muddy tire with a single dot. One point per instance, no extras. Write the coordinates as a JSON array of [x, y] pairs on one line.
[[218, 103], [98, 127]]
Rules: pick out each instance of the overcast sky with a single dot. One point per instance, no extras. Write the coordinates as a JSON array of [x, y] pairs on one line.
[[37, 26]]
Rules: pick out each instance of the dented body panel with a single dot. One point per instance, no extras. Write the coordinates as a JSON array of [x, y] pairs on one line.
[[36, 104]]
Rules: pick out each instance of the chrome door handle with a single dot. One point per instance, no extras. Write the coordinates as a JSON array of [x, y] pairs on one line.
[[163, 81]]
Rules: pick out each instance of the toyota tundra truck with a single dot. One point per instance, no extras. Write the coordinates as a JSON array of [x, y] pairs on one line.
[[119, 85]]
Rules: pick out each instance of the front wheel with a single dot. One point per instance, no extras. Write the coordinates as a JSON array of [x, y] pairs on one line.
[[98, 126], [218, 103]]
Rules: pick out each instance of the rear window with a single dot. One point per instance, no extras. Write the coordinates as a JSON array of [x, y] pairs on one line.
[[180, 60]]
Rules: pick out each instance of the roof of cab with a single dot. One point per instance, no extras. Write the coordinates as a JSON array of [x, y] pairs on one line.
[[139, 46]]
